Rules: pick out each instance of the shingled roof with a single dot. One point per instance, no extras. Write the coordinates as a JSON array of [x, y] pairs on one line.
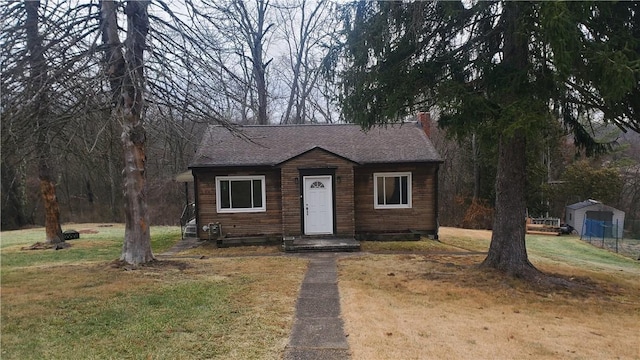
[[273, 145], [591, 202]]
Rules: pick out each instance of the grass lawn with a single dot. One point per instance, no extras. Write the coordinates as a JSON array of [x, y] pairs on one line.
[[399, 300], [436, 304], [74, 304], [98, 242]]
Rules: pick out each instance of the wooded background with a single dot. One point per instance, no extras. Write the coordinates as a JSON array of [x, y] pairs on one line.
[[233, 62]]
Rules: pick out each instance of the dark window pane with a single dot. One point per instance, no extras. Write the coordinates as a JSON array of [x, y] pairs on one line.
[[257, 193], [393, 190], [404, 189], [241, 194], [225, 201], [380, 190]]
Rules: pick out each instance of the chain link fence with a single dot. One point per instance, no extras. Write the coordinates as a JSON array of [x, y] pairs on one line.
[[604, 234]]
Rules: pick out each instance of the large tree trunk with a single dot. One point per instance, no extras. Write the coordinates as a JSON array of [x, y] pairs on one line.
[[137, 241], [261, 87], [39, 85], [127, 85], [52, 211], [257, 52], [507, 251], [475, 150]]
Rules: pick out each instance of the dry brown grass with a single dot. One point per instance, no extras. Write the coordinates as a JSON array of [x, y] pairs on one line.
[[447, 232], [442, 307], [210, 249]]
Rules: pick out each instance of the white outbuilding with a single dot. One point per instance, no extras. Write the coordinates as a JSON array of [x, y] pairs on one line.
[[595, 219]]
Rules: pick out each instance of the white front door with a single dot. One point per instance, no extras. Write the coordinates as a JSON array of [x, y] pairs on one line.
[[317, 205]]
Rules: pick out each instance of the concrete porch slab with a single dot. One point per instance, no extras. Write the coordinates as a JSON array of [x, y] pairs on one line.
[[321, 245]]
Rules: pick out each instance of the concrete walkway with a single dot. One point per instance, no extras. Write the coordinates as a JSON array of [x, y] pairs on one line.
[[317, 332], [317, 329], [182, 245]]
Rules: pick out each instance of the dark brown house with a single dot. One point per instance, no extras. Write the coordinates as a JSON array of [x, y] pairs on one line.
[[334, 181]]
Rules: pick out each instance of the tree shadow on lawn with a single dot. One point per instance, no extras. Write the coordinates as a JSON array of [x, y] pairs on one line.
[[154, 264], [47, 246], [465, 271]]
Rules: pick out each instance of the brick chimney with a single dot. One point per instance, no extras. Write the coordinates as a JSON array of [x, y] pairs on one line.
[[424, 121]]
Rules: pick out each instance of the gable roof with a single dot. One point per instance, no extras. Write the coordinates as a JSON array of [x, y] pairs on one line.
[[595, 203], [275, 144], [583, 204]]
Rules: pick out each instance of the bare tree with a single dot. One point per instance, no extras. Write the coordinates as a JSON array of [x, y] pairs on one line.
[[245, 28], [200, 67], [254, 29], [40, 103], [125, 69], [183, 85], [307, 28], [43, 50]]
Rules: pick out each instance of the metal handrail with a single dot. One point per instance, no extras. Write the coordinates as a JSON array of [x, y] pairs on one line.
[[188, 214]]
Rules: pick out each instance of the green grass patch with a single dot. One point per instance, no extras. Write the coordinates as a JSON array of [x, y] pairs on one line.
[[476, 244], [72, 304], [210, 309], [87, 232], [96, 243], [163, 238], [569, 250], [81, 251], [185, 320], [573, 251]]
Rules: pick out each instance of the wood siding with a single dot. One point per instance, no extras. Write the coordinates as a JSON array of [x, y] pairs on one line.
[[267, 223], [422, 216], [354, 211], [317, 160]]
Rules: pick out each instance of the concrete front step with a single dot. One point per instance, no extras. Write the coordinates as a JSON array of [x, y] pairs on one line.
[[320, 245]]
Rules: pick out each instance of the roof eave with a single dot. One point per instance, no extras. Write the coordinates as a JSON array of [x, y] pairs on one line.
[[209, 166], [430, 161]]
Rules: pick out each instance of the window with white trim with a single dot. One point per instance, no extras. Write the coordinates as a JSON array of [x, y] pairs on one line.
[[392, 190], [240, 194]]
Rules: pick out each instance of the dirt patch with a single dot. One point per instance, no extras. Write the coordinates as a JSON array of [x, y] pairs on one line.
[[464, 272], [47, 246], [154, 264], [87, 231]]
